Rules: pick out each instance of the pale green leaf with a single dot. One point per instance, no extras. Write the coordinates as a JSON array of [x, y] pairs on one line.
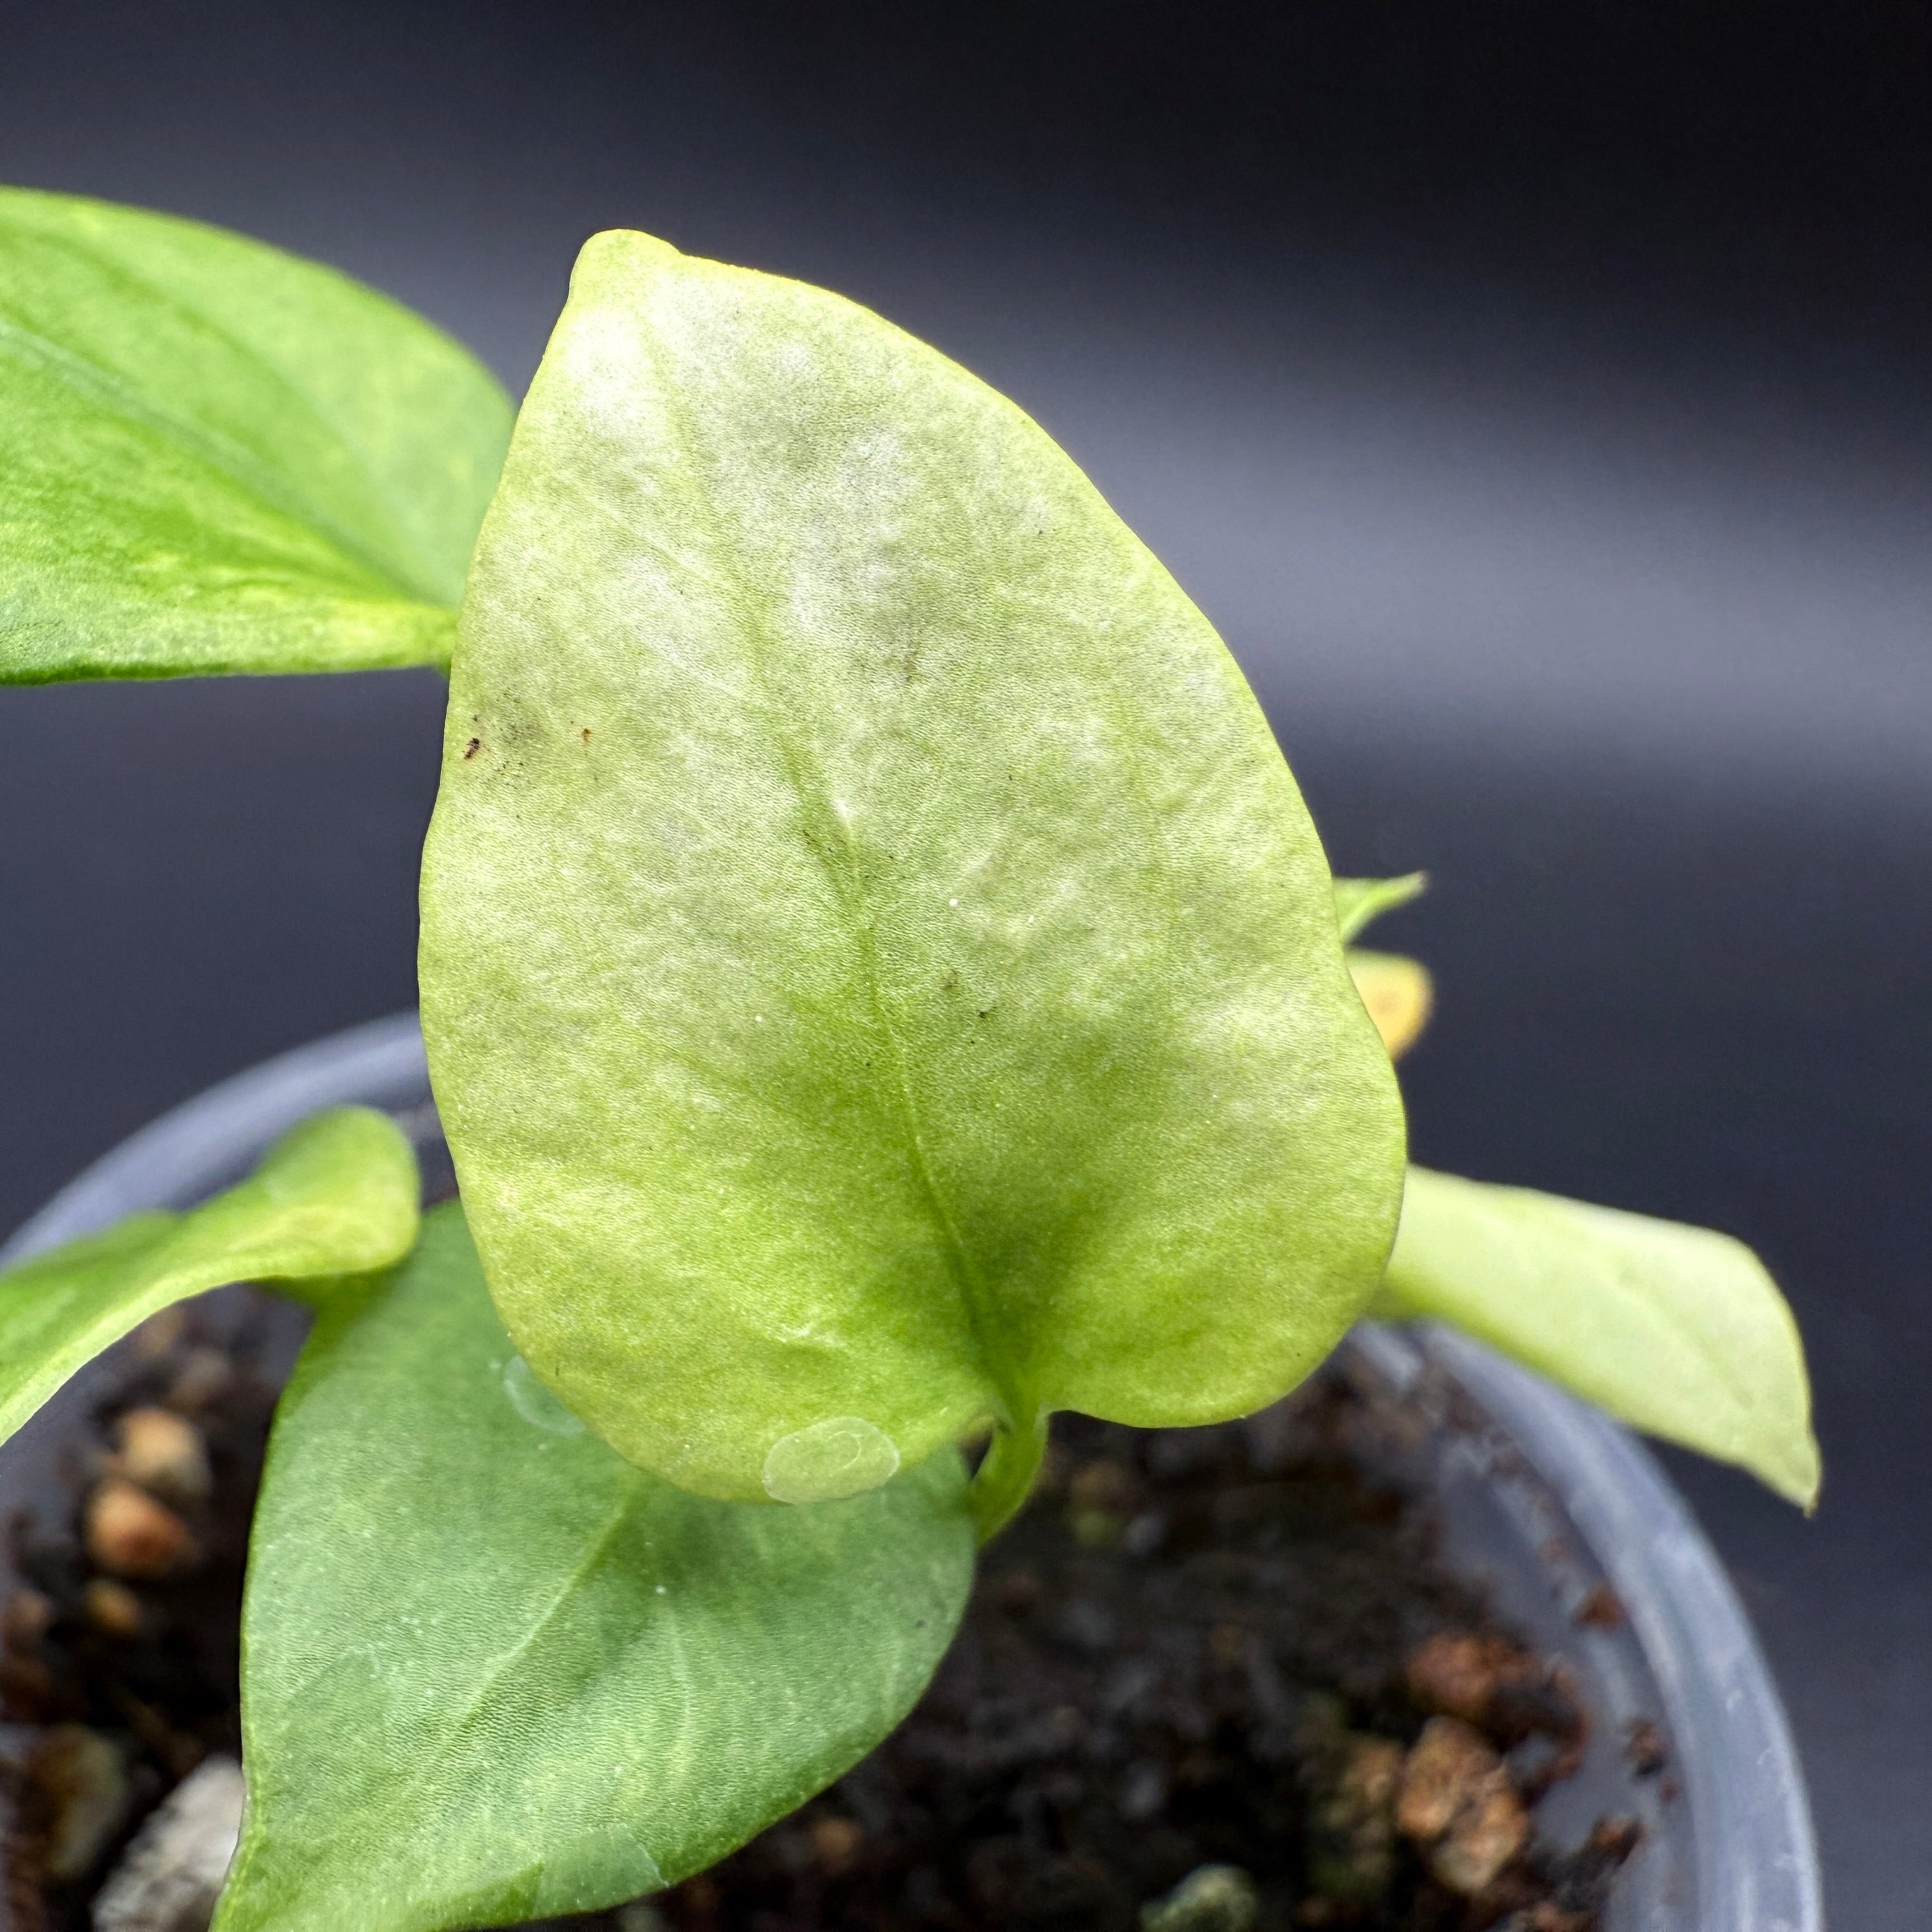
[[492, 1671], [1359, 901], [1675, 1329], [877, 970], [219, 457], [337, 1195]]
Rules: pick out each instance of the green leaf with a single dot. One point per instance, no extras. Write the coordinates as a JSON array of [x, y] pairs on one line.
[[1677, 1330], [492, 1671], [337, 1195], [221, 458], [877, 970], [1359, 901]]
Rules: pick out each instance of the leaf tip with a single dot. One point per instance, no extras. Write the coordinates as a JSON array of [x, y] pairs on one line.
[[1797, 1474], [1357, 902], [612, 251]]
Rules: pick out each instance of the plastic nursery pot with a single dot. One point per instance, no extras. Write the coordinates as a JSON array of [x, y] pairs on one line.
[[1561, 1514]]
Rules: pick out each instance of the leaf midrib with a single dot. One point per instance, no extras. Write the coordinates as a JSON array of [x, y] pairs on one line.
[[809, 786], [597, 1546], [218, 451]]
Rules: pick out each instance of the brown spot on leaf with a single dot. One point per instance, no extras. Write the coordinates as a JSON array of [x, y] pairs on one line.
[[475, 745]]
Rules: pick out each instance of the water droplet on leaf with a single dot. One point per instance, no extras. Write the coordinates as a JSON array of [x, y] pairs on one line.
[[535, 1403], [843, 1456]]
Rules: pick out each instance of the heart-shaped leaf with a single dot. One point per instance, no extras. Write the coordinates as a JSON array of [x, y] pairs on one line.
[[877, 970], [337, 1195], [1677, 1330], [492, 1671], [221, 458]]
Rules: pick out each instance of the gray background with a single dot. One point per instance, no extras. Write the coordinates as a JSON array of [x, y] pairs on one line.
[[1537, 397]]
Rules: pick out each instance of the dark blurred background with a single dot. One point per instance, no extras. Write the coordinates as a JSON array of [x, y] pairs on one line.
[[1538, 396]]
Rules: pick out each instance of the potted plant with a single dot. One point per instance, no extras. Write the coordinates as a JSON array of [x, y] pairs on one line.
[[881, 987]]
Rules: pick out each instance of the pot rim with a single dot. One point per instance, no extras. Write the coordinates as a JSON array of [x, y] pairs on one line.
[[1755, 1854]]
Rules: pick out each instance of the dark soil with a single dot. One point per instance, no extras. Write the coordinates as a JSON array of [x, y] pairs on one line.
[[1196, 1647], [129, 1680], [1230, 1649]]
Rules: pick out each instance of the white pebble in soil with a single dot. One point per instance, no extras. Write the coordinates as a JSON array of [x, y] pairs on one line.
[[1210, 1898], [169, 1877]]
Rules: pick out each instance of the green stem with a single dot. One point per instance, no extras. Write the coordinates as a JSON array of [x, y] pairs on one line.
[[1006, 1474]]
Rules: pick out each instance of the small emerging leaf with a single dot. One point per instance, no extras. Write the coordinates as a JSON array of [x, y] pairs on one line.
[[1398, 993], [492, 1671], [878, 971], [1359, 901], [1675, 1329], [219, 457], [337, 1195]]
